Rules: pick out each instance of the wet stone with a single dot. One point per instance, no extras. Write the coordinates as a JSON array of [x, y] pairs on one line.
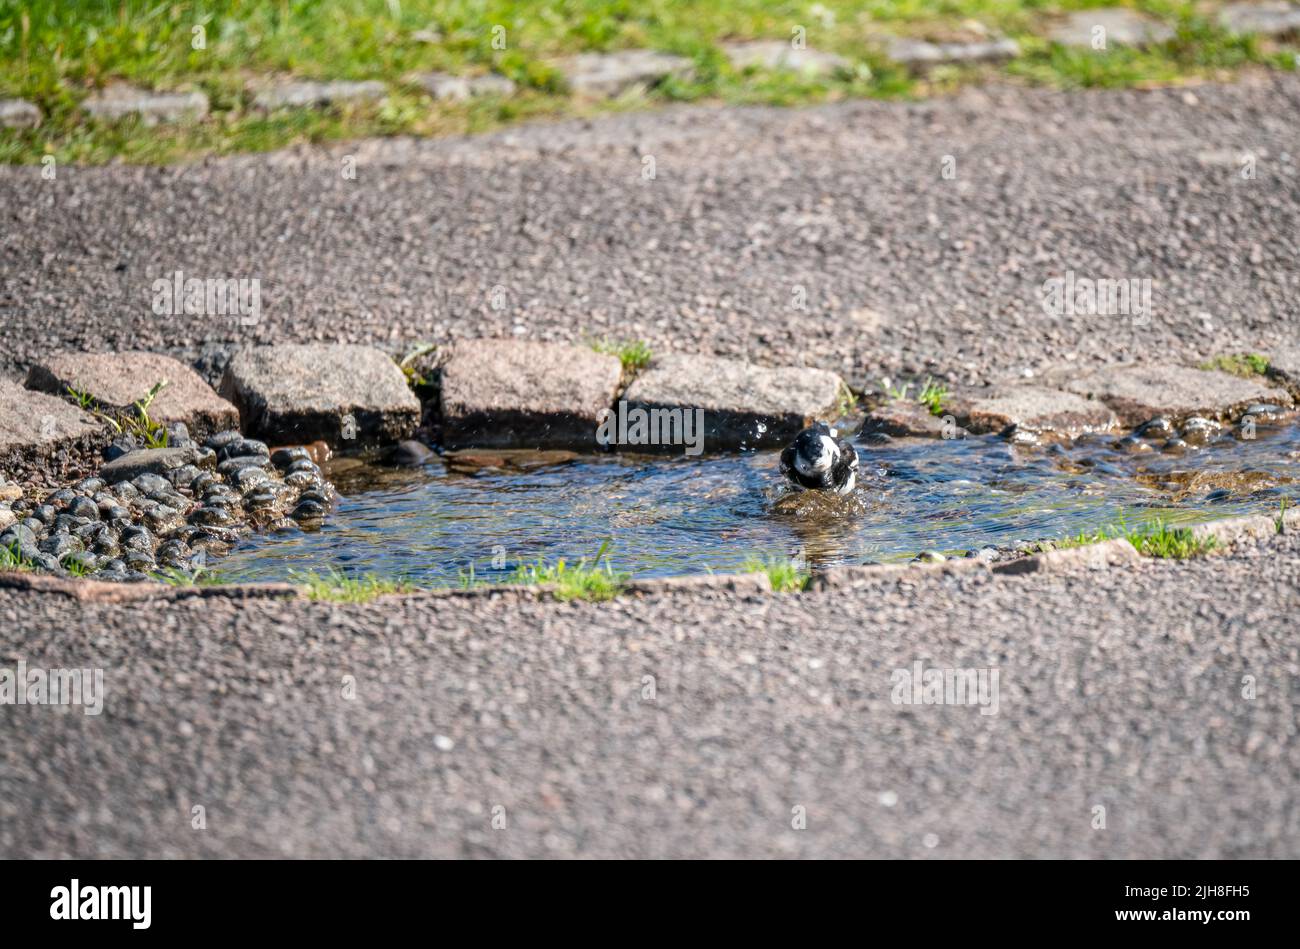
[[902, 418], [742, 405], [1139, 393], [1036, 410], [149, 462], [498, 393]]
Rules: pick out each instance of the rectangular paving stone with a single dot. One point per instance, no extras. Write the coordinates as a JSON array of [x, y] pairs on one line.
[[34, 426], [919, 53], [1108, 553], [1118, 25], [1035, 410], [1284, 365], [449, 88], [780, 55], [119, 101], [503, 393], [19, 113], [1139, 393], [343, 394], [906, 418], [1266, 19], [608, 74], [744, 406], [117, 380], [304, 94]]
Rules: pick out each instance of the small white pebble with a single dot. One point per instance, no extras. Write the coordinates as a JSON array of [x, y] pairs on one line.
[[930, 840], [443, 743], [888, 798]]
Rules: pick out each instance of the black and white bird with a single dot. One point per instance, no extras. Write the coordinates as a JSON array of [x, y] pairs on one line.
[[817, 461]]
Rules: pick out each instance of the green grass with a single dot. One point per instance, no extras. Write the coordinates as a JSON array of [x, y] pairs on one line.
[[584, 580], [635, 355], [198, 577], [56, 52], [135, 422], [786, 575], [1157, 538], [12, 559], [932, 396], [1239, 364], [335, 586], [414, 378], [1172, 543]]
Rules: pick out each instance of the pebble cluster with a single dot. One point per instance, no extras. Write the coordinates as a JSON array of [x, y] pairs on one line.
[[170, 519]]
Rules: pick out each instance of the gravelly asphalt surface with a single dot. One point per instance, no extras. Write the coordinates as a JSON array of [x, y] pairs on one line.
[[902, 268], [1121, 689]]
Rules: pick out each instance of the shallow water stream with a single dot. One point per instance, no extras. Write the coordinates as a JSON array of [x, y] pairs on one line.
[[675, 515]]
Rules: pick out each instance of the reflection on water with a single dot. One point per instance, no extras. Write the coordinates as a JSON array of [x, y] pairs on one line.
[[686, 515]]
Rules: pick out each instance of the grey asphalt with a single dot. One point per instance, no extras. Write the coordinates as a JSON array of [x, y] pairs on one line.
[[902, 268], [1121, 689]]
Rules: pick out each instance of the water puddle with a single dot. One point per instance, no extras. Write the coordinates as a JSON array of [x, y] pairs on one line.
[[667, 516]]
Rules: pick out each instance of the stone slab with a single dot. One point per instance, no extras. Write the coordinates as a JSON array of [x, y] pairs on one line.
[[921, 53], [341, 394], [306, 95], [503, 393], [904, 418], [446, 87], [1232, 530], [1139, 393], [19, 113], [116, 380], [34, 426], [780, 55], [119, 101], [1120, 25], [741, 584], [609, 74], [1284, 366], [1266, 19], [744, 406], [1035, 409], [1108, 553], [869, 575]]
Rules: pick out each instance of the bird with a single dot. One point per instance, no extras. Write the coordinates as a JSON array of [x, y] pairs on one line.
[[817, 461]]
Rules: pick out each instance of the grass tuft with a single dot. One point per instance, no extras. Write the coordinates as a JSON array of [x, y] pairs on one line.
[[581, 581], [1239, 364], [335, 586], [136, 422], [635, 354], [1155, 539], [12, 559], [787, 575], [932, 396]]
